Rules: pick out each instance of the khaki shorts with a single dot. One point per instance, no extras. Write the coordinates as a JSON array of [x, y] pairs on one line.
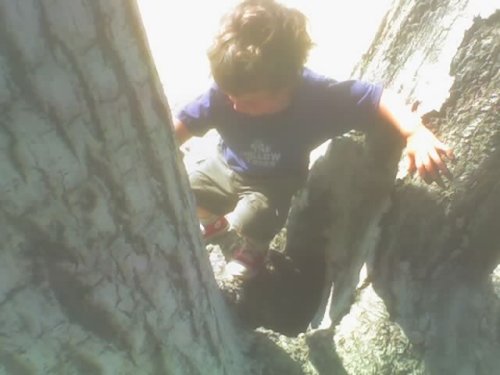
[[259, 205]]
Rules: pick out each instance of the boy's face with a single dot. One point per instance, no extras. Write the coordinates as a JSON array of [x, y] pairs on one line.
[[261, 102]]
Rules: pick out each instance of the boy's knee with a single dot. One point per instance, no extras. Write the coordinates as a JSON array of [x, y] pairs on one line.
[[211, 188], [256, 218]]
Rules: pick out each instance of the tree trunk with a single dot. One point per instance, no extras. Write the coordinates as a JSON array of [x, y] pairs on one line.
[[102, 267]]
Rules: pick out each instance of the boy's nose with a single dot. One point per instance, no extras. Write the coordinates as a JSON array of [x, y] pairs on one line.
[[238, 107], [242, 107]]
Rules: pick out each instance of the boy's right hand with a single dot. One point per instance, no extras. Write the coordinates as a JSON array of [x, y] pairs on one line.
[[426, 155]]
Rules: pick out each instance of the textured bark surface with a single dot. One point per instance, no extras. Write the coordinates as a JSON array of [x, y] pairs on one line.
[[428, 302], [102, 268], [415, 45]]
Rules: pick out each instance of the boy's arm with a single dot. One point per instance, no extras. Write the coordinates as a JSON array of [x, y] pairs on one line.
[[181, 132], [425, 153]]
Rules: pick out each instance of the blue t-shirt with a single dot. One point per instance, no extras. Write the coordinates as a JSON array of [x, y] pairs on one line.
[[279, 144]]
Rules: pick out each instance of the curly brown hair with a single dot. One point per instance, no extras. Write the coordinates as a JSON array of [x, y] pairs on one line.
[[262, 45]]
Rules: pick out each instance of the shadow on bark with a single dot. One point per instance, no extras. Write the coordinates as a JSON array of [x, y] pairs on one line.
[[434, 276], [273, 359], [285, 296]]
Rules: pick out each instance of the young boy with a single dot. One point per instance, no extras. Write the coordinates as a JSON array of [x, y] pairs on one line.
[[271, 112]]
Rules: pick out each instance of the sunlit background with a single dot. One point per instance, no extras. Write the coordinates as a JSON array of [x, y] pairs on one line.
[[180, 32]]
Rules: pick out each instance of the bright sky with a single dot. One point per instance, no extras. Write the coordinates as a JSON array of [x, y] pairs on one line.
[[179, 33]]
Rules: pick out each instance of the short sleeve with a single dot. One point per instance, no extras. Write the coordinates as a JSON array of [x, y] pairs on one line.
[[357, 102], [366, 97], [198, 115]]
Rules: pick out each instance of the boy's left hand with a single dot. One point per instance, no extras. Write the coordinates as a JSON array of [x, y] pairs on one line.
[[426, 154]]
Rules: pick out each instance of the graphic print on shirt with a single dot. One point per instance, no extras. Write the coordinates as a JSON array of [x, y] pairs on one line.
[[261, 155]]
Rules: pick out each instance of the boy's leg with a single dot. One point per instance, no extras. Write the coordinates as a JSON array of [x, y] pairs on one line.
[[257, 217], [259, 214], [256, 221], [215, 195]]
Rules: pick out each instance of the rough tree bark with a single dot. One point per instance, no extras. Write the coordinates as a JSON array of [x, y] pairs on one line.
[[102, 267]]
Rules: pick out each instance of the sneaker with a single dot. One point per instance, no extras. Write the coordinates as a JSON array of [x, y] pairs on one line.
[[245, 264], [215, 229]]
